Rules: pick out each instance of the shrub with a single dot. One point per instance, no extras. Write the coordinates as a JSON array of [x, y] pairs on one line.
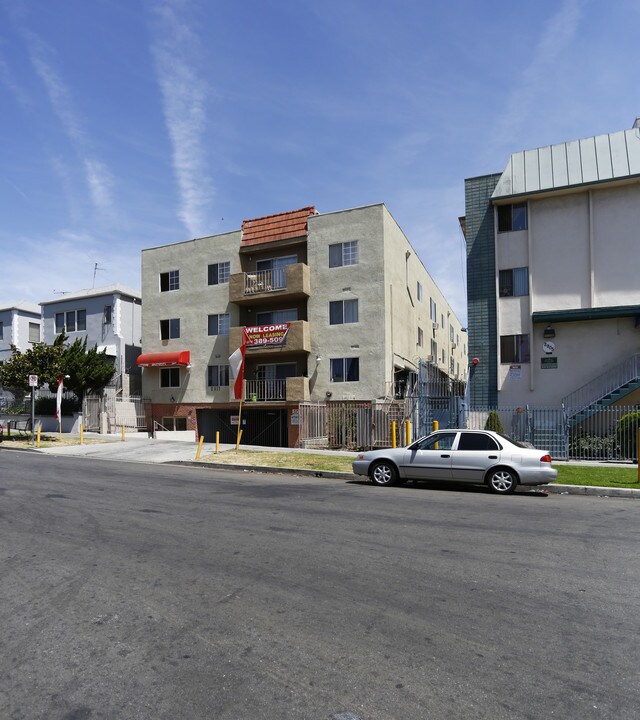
[[494, 423], [47, 406], [627, 433]]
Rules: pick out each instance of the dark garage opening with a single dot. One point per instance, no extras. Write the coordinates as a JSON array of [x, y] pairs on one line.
[[264, 426]]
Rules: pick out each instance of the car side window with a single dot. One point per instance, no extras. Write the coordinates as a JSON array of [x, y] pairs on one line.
[[477, 441], [442, 441]]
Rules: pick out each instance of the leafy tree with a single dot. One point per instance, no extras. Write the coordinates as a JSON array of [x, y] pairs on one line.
[[83, 370], [494, 423], [87, 370], [42, 360]]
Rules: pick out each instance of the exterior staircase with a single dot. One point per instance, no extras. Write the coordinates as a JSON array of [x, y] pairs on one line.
[[604, 390]]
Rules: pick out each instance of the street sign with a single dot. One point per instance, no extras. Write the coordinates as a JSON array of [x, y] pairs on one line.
[[33, 381]]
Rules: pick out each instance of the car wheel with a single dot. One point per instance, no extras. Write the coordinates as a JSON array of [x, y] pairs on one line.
[[383, 473], [502, 481]]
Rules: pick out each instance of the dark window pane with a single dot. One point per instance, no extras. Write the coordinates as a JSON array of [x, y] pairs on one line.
[[505, 283], [71, 321], [335, 255], [504, 218], [164, 282], [82, 319], [337, 370], [519, 217], [353, 368], [335, 313]]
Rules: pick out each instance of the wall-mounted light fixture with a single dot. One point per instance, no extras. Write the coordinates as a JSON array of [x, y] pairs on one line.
[[549, 332], [318, 358]]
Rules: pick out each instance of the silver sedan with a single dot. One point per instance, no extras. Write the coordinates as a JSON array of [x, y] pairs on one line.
[[474, 456]]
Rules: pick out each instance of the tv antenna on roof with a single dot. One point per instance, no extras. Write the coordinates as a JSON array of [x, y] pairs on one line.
[[95, 270], [61, 292]]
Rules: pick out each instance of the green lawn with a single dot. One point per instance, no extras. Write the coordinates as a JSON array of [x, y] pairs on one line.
[[600, 476]]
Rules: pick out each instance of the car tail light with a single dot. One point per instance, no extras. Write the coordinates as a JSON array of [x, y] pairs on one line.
[[546, 458]]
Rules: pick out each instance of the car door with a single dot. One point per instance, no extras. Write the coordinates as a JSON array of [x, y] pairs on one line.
[[474, 454], [430, 458]]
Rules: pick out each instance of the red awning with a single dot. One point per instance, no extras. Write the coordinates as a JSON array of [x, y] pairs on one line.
[[165, 359]]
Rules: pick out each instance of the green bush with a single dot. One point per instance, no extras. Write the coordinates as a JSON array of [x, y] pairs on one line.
[[494, 423], [627, 433], [593, 447], [47, 406]]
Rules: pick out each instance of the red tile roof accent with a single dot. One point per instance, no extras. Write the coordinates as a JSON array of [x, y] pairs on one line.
[[283, 226]]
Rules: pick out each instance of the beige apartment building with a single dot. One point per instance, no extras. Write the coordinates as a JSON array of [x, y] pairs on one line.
[[332, 307]]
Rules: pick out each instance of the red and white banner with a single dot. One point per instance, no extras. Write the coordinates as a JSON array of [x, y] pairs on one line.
[[261, 335], [236, 365], [59, 392]]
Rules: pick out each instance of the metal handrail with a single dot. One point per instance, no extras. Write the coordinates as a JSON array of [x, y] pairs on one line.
[[604, 384], [264, 281], [264, 390]]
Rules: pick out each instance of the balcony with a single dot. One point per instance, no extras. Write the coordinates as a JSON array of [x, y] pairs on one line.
[[291, 389], [298, 340], [266, 286]]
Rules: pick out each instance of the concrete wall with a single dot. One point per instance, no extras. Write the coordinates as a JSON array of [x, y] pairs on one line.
[[192, 303], [581, 249]]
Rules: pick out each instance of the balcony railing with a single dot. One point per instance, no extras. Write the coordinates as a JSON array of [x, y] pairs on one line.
[[260, 286], [291, 389]]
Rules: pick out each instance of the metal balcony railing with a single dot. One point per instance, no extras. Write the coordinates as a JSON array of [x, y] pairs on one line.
[[265, 281], [265, 390]]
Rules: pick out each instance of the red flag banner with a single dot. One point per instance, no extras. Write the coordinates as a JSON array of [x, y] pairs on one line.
[[236, 365], [59, 392]]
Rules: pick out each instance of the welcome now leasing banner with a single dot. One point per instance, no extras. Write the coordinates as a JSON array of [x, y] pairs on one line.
[[261, 335]]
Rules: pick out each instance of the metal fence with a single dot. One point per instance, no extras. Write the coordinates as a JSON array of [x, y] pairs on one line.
[[118, 411], [611, 435]]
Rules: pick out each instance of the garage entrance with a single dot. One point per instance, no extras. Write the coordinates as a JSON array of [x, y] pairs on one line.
[[266, 427]]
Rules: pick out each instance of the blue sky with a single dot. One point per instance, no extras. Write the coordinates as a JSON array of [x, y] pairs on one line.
[[128, 124]]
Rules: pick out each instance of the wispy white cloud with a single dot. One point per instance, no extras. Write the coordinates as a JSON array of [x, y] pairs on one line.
[[98, 177], [184, 97], [530, 88]]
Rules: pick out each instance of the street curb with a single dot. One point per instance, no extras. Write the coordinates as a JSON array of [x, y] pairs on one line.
[[552, 489]]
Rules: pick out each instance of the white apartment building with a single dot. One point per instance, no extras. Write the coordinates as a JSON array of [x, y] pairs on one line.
[[553, 269], [336, 306], [109, 317]]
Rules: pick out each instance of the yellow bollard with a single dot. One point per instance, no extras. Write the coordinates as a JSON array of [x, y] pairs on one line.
[[217, 442], [408, 432], [238, 441], [39, 430], [638, 454], [435, 425], [81, 434], [199, 447], [123, 433], [393, 433]]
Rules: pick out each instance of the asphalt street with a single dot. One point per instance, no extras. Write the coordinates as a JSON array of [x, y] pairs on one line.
[[131, 590]]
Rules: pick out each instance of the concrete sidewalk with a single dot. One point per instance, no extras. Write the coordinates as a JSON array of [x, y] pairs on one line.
[[139, 447]]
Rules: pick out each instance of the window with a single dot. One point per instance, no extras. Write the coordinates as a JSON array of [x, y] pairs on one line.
[[71, 321], [512, 217], [345, 369], [107, 315], [274, 271], [218, 324], [433, 310], [170, 377], [477, 441], [434, 351], [174, 423], [452, 366], [59, 322], [219, 273], [170, 280], [441, 441], [343, 311], [514, 282], [444, 360], [420, 337], [276, 316], [514, 349], [343, 254], [34, 332], [451, 333], [81, 320], [218, 376], [419, 292], [2, 330], [170, 329]]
